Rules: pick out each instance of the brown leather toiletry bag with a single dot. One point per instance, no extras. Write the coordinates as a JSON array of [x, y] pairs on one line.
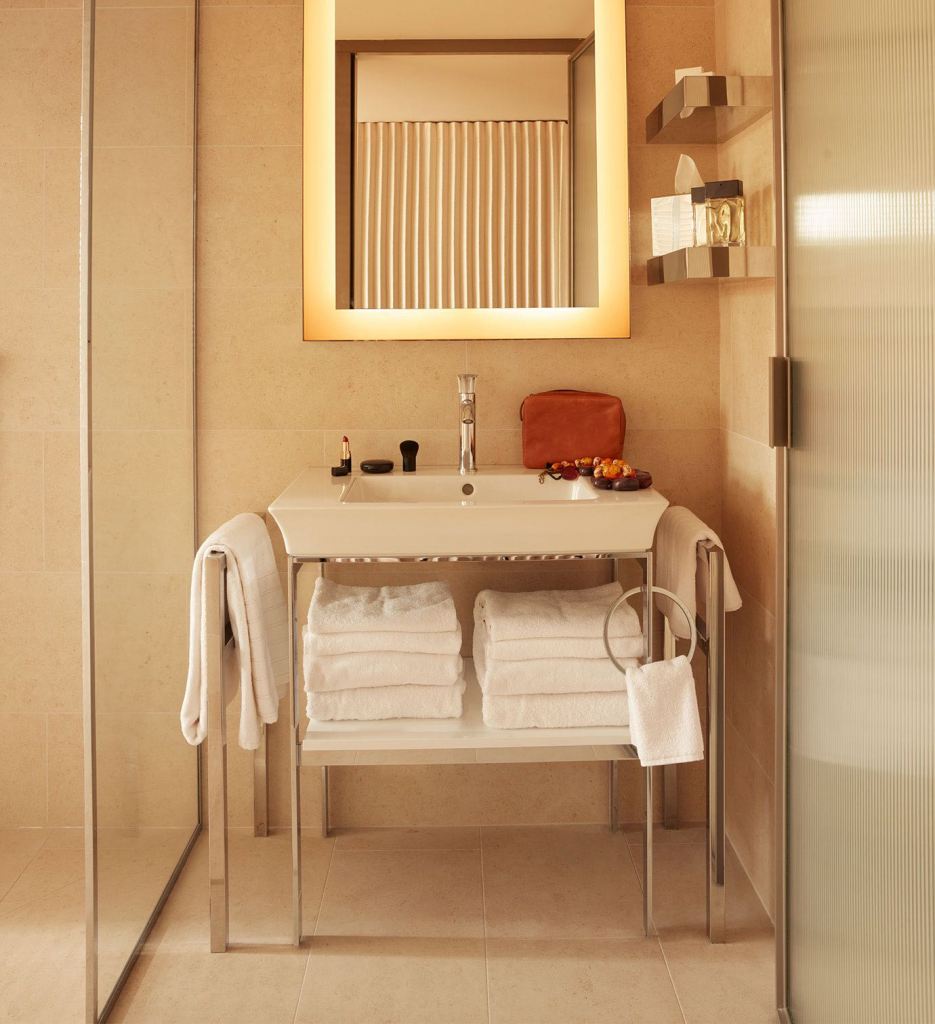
[[571, 425]]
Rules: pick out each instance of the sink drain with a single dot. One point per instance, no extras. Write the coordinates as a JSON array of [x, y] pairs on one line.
[[467, 489]]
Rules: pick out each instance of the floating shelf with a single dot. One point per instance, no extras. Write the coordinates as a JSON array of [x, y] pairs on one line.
[[707, 263], [722, 105]]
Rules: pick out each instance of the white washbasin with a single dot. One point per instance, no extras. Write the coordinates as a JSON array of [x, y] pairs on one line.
[[428, 514], [476, 489]]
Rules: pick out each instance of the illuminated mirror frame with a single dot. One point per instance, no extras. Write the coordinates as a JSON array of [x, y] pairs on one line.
[[323, 321]]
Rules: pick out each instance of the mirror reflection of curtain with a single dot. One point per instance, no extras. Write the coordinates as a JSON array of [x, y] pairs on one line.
[[461, 214]]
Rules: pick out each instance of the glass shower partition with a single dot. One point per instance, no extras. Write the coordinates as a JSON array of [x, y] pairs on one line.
[[138, 158], [859, 915]]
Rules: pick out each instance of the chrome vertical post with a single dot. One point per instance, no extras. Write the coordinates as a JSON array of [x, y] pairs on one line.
[[648, 927], [614, 799], [670, 777], [714, 616], [261, 785], [215, 572], [295, 763]]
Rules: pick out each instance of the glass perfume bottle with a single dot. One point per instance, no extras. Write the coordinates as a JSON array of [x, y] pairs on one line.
[[719, 217]]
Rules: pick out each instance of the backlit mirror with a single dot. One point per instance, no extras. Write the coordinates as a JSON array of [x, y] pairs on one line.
[[454, 167], [465, 169]]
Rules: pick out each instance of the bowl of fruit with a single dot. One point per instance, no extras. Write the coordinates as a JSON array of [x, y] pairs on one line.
[[618, 475]]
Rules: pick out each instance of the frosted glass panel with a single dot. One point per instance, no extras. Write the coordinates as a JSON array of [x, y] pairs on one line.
[[861, 213]]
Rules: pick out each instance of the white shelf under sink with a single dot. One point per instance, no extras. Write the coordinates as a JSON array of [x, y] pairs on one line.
[[465, 740]]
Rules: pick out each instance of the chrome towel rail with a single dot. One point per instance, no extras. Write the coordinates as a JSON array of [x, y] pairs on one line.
[[216, 633], [709, 631]]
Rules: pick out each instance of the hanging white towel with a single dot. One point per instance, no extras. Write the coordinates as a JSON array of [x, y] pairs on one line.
[[664, 723], [380, 702], [257, 613], [550, 613], [677, 562], [548, 675], [420, 608]]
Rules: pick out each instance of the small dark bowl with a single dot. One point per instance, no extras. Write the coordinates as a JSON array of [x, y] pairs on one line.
[[626, 483], [602, 483], [586, 470], [645, 479]]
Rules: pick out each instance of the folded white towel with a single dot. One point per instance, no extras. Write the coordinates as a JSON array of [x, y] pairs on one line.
[[257, 613], [563, 647], [376, 703], [677, 562], [555, 613], [545, 675], [554, 710], [327, 644], [378, 668], [421, 608], [664, 723]]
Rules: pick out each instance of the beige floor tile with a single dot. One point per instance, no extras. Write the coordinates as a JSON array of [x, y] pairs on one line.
[[18, 846], [569, 883], [537, 981], [241, 987], [260, 893], [679, 894], [409, 839], [54, 871], [390, 980], [729, 982], [666, 836], [412, 893], [40, 981]]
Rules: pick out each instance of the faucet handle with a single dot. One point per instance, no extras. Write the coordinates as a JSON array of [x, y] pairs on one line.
[[466, 383]]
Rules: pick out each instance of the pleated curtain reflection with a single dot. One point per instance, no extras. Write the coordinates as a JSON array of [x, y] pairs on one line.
[[461, 214]]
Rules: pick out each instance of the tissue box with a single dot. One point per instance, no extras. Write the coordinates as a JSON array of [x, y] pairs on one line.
[[673, 224]]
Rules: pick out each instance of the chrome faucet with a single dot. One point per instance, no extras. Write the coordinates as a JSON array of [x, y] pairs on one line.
[[467, 415]]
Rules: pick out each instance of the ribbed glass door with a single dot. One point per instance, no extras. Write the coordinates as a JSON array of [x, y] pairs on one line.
[[860, 143]]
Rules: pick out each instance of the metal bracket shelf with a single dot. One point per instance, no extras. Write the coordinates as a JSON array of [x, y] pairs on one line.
[[722, 106], [707, 263]]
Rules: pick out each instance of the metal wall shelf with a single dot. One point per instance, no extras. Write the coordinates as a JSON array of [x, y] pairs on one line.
[[723, 105], [706, 263]]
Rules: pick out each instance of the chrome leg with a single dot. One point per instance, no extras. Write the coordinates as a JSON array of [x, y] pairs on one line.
[[648, 614], [670, 777], [649, 928], [614, 808], [324, 802], [218, 904], [294, 754], [261, 785], [714, 614]]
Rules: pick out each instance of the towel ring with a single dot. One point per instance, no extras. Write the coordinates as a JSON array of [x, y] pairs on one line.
[[656, 590]]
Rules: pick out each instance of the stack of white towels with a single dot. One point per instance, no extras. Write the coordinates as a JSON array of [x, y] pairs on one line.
[[382, 652], [541, 662]]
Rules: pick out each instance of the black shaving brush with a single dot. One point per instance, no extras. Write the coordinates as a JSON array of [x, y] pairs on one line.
[[409, 450]]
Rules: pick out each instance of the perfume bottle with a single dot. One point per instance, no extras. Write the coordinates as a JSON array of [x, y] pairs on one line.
[[718, 209]]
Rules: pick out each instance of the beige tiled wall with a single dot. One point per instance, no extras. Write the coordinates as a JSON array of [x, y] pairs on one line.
[[270, 405], [40, 688], [747, 468]]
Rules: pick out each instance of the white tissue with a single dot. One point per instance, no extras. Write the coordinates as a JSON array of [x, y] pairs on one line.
[[687, 176]]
